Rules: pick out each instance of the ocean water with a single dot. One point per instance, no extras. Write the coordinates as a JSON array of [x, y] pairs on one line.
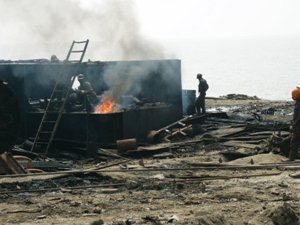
[[266, 67]]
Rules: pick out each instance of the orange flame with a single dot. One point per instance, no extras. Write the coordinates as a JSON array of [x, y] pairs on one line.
[[108, 105]]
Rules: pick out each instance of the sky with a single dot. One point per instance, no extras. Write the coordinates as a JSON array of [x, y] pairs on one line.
[[173, 19], [149, 29], [106, 22]]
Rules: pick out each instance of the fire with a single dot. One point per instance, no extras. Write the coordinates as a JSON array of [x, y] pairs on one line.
[[108, 105]]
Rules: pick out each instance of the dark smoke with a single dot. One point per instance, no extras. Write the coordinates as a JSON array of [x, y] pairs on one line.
[[124, 79], [154, 80], [40, 28]]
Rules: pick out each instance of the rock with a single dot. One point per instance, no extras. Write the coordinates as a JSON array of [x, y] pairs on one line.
[[284, 215], [129, 222], [239, 97], [287, 197], [153, 219], [173, 219], [41, 217], [283, 184], [180, 186], [97, 210], [98, 222], [141, 163], [212, 219], [268, 111], [295, 175], [109, 190], [159, 176], [75, 204]]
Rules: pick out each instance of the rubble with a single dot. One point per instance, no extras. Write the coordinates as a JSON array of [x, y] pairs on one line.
[[239, 97], [221, 170]]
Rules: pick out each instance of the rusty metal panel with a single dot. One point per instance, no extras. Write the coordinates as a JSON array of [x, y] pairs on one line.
[[107, 128]]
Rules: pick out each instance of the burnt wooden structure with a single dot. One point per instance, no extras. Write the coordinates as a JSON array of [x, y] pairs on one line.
[[10, 118], [153, 80]]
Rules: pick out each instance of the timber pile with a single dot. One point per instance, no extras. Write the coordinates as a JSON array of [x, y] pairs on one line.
[[237, 138], [234, 138]]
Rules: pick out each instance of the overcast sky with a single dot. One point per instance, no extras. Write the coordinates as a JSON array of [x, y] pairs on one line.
[[218, 18], [190, 30], [214, 18], [113, 24]]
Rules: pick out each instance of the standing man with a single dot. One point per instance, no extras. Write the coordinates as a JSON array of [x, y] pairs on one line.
[[295, 141], [202, 88]]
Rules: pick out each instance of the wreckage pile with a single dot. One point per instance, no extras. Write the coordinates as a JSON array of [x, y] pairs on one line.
[[186, 174], [236, 134], [239, 97], [241, 131]]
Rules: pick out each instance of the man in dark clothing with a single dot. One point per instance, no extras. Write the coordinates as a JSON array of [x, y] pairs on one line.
[[202, 88], [295, 141], [85, 91]]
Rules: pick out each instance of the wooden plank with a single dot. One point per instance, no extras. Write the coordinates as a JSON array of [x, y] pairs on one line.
[[240, 144], [239, 153], [155, 147], [248, 138], [283, 133], [226, 120], [224, 132]]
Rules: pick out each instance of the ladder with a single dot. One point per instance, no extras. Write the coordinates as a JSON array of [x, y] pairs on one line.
[[179, 127], [56, 104]]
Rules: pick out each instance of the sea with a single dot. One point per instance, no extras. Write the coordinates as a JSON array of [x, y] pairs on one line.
[[266, 67]]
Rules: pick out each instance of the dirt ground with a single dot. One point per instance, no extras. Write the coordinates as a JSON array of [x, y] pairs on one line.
[[151, 191]]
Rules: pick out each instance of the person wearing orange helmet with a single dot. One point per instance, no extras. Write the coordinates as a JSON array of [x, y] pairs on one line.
[[295, 140]]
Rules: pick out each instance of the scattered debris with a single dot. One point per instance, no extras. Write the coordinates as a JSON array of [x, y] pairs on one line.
[[239, 97], [195, 168]]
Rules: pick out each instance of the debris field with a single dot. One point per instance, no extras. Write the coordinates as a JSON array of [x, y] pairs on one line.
[[227, 167]]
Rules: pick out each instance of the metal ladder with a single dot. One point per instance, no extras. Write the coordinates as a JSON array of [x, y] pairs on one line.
[[55, 107]]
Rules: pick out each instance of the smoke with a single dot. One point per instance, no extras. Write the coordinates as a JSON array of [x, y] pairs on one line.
[[125, 79], [38, 29], [154, 80]]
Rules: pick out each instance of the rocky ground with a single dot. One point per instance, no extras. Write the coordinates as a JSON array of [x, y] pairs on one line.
[[198, 186]]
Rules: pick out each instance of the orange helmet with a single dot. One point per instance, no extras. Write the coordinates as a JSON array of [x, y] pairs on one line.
[[296, 94]]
